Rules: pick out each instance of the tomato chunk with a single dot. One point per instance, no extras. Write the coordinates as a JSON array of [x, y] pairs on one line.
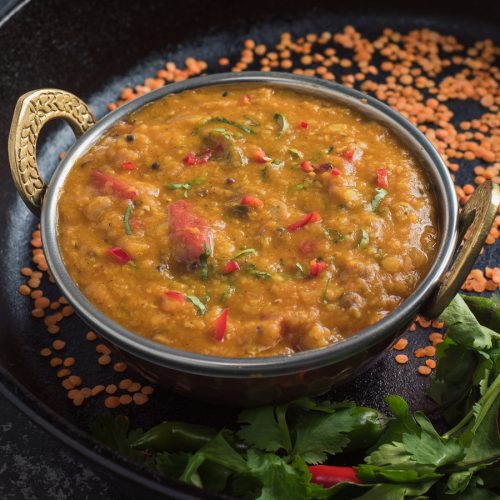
[[108, 184], [231, 267], [128, 165], [316, 267], [306, 166], [382, 178], [190, 235], [119, 255], [220, 325], [305, 219], [177, 296], [260, 156], [252, 201]]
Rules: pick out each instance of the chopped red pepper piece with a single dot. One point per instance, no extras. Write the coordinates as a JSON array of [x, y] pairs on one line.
[[316, 266], [306, 166], [335, 172], [128, 165], [220, 325], [108, 184], [231, 267], [304, 124], [136, 224], [330, 475], [305, 219], [177, 296], [252, 201], [382, 180], [260, 156], [352, 155], [119, 255], [246, 99], [190, 159]]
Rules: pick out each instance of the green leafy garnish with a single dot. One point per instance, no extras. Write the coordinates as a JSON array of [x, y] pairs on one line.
[[200, 307], [207, 252], [228, 292], [324, 294], [245, 251], [198, 181], [220, 119], [334, 235], [126, 220], [300, 267], [282, 122], [262, 275], [363, 239], [379, 196], [296, 154], [298, 187]]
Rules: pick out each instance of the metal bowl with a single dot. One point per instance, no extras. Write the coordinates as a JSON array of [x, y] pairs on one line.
[[251, 381]]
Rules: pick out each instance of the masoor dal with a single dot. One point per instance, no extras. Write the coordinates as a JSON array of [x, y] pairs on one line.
[[247, 221]]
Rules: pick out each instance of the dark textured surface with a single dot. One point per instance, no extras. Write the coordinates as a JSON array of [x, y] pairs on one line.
[[72, 46]]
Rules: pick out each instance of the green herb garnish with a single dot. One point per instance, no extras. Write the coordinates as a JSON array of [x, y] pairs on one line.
[[245, 251], [381, 194], [228, 292], [280, 229], [334, 235], [207, 252], [282, 122], [200, 307], [324, 296], [363, 239], [126, 221], [198, 181], [220, 119], [262, 275], [300, 267], [298, 187], [296, 154]]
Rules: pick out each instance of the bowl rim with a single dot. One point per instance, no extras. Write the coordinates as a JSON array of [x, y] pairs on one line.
[[226, 367]]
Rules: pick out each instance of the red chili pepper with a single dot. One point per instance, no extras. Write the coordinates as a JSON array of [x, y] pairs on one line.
[[252, 201], [306, 166], [330, 475], [128, 165], [304, 124], [382, 180], [119, 255], [220, 325], [352, 155], [260, 156], [246, 99], [108, 184], [231, 267], [190, 159], [335, 172], [204, 155], [305, 219], [177, 296], [316, 267]]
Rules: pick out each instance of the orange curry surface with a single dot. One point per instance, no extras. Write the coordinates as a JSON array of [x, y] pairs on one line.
[[247, 221]]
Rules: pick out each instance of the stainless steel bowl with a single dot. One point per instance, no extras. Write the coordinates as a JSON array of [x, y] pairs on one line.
[[250, 381]]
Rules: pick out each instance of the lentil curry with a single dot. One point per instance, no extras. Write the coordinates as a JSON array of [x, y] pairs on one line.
[[247, 221]]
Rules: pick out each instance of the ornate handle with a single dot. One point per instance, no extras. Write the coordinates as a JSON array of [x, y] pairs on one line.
[[475, 220], [33, 111]]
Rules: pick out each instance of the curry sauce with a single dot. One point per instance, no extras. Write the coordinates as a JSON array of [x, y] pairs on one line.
[[247, 221]]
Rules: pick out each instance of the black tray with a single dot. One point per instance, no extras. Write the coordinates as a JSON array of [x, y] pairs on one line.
[[94, 49]]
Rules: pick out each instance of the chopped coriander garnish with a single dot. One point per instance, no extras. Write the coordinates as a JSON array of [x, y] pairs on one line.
[[221, 119], [300, 267], [363, 240], [200, 307], [334, 235], [280, 229], [298, 187], [132, 264], [282, 122], [245, 251], [240, 211], [296, 154], [381, 194], [262, 275], [324, 297], [198, 181], [253, 122], [126, 221], [207, 252], [227, 293]]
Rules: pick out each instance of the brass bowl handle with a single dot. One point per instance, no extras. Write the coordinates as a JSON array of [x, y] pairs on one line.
[[33, 111], [475, 220]]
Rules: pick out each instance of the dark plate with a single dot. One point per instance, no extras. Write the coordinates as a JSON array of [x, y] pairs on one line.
[[94, 49]]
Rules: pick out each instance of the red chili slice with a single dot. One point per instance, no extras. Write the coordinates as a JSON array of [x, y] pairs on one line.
[[231, 267], [128, 165], [335, 172], [382, 179], [220, 325], [330, 475], [305, 219], [252, 201], [177, 296], [136, 224], [109, 184], [316, 267], [246, 99], [190, 159], [352, 155], [119, 255], [189, 234], [304, 124], [260, 156], [306, 166]]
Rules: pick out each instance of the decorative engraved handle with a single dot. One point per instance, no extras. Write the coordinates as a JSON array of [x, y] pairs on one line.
[[475, 220], [33, 111]]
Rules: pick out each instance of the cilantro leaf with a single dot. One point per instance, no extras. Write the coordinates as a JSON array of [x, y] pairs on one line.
[[379, 196], [432, 450], [200, 307]]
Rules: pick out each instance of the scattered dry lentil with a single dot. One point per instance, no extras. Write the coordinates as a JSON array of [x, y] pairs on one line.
[[401, 359]]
